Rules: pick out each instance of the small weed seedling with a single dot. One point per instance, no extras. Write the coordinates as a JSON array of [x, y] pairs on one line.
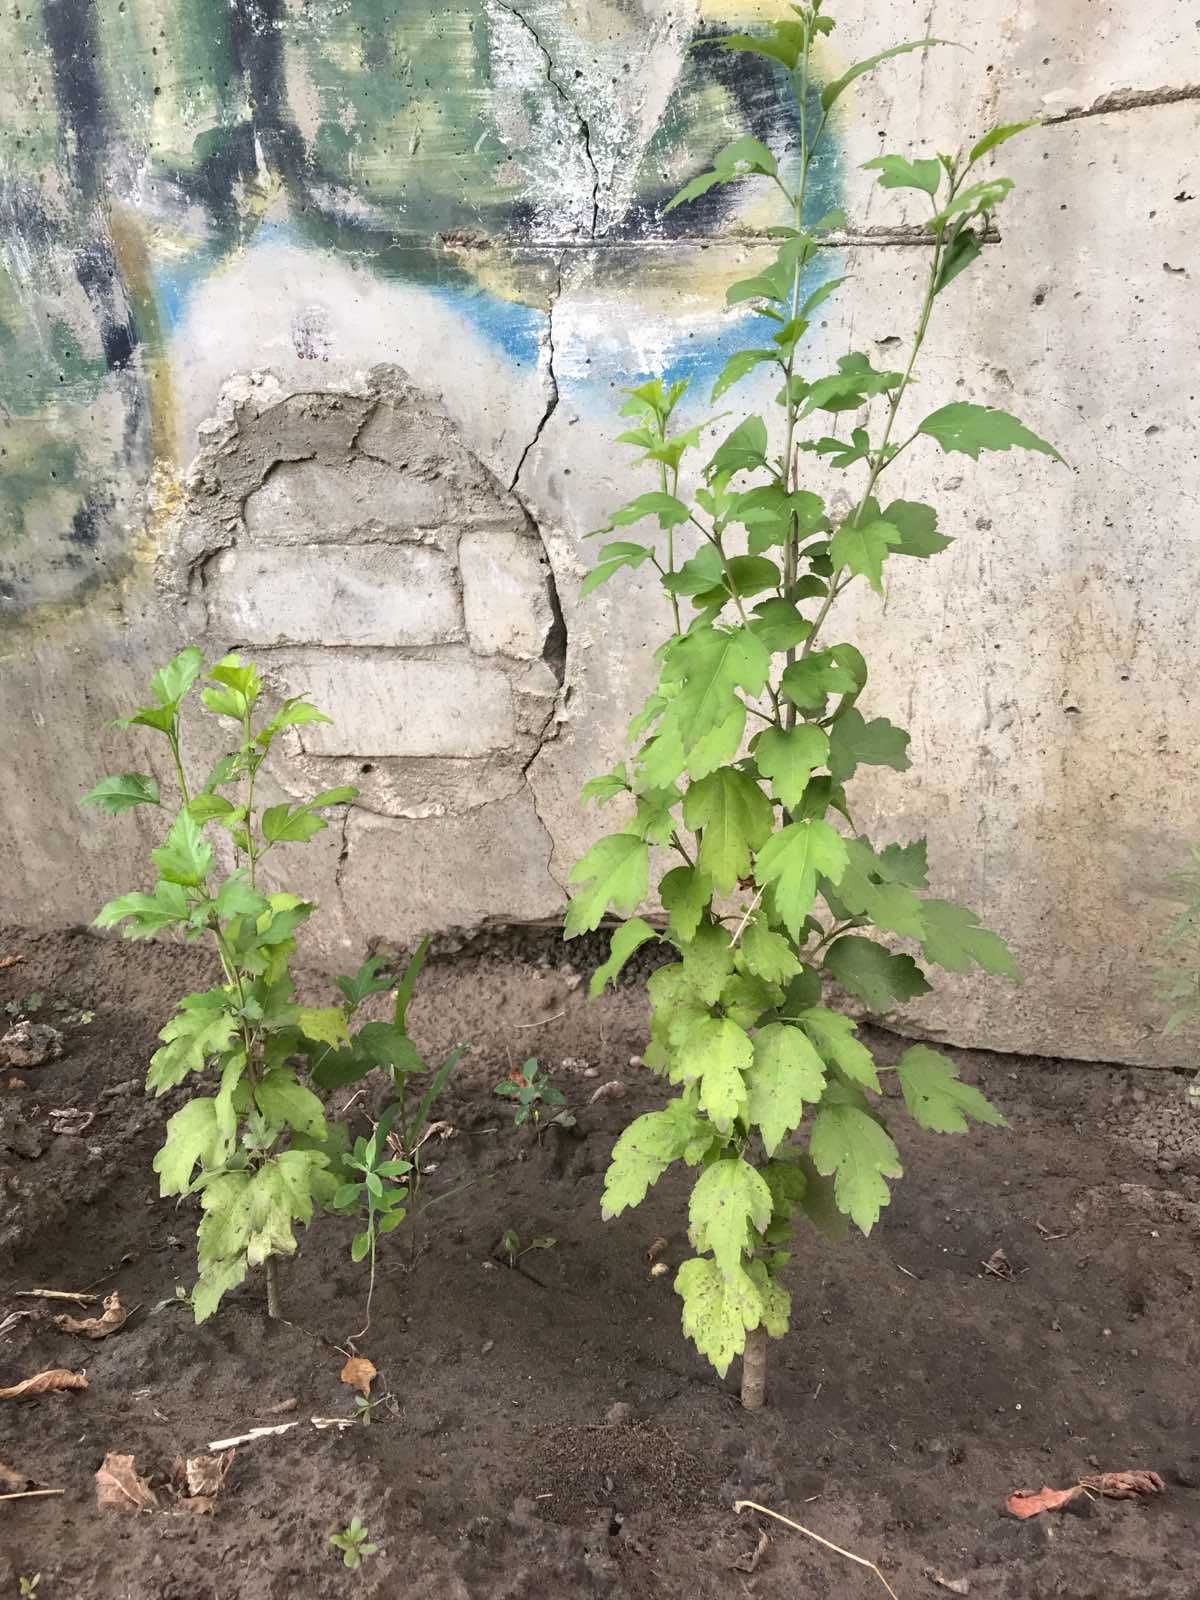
[[747, 744], [510, 1245], [28, 1586], [532, 1091], [353, 1543], [258, 1151]]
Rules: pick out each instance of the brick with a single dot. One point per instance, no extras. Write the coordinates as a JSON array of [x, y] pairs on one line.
[[505, 597], [401, 594]]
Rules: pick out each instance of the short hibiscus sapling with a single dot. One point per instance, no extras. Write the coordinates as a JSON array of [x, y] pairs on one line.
[[258, 1150], [747, 745]]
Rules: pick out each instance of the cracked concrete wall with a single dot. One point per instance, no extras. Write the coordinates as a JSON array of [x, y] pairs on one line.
[[312, 347]]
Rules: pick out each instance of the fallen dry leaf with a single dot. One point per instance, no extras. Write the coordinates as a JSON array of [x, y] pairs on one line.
[[1125, 1485], [359, 1373], [613, 1090], [71, 1120], [1032, 1502], [9, 961], [114, 1317], [951, 1585], [998, 1265], [749, 1561], [118, 1487], [206, 1474], [655, 1248], [46, 1383]]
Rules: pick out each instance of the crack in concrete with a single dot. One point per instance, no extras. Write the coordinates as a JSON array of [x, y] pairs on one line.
[[553, 397], [585, 130], [1126, 100]]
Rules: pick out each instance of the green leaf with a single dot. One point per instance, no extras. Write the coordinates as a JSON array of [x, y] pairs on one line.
[[1000, 135], [745, 450], [717, 1311], [200, 1029], [170, 683], [970, 429], [342, 795], [408, 982], [954, 938], [905, 863], [708, 962], [669, 510], [617, 870], [121, 793], [648, 1147], [282, 825], [360, 1248], [368, 980], [150, 912], [776, 1301], [832, 92], [788, 757], [294, 713], [612, 558], [734, 818], [834, 1036], [786, 1075], [936, 1097], [822, 293], [849, 1145], [853, 740], [235, 898], [876, 976], [856, 380], [790, 862], [717, 1053], [606, 786], [897, 172], [186, 857], [160, 718], [809, 683], [740, 364], [285, 1102], [973, 201], [892, 907], [784, 43], [917, 527], [863, 549], [961, 248], [711, 664], [779, 625], [685, 894], [629, 937], [207, 807], [326, 1025], [729, 1203], [193, 1138], [767, 954]]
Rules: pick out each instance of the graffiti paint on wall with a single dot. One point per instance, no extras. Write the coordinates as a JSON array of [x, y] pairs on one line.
[[159, 158]]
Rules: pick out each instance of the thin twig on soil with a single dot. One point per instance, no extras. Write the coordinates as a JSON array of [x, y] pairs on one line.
[[751, 1505], [30, 1494], [545, 1021], [81, 1298]]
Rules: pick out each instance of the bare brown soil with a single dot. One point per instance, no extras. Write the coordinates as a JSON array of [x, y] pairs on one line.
[[546, 1432]]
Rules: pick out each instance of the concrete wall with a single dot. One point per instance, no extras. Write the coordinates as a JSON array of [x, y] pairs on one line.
[[312, 319]]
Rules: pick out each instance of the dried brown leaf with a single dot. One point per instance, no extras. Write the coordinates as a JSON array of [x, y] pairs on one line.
[[1125, 1485], [1032, 1502], [45, 1383], [118, 1487], [359, 1373], [656, 1247], [205, 1475], [114, 1317], [9, 961]]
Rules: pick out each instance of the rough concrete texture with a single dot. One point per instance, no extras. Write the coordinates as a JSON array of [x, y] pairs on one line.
[[355, 412]]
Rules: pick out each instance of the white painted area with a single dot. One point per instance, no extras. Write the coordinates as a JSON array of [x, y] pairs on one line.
[[504, 593]]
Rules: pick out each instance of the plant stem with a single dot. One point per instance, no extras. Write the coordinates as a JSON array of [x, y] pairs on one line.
[[272, 1271], [754, 1370], [662, 480]]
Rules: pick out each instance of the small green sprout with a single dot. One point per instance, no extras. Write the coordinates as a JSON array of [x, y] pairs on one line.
[[353, 1543], [532, 1091]]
